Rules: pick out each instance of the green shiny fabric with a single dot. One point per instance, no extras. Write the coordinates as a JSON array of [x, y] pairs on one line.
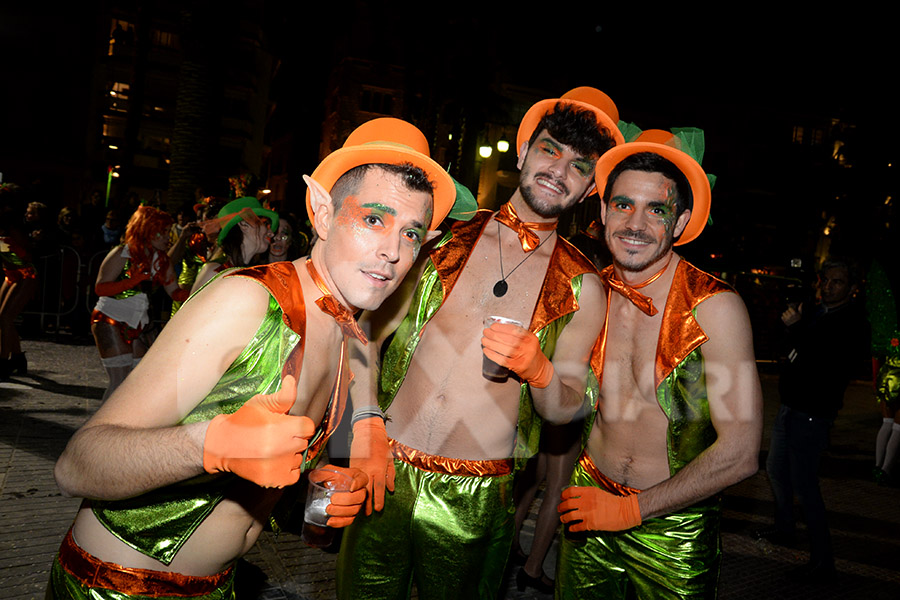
[[63, 586], [675, 556], [683, 398], [126, 274], [450, 534], [427, 299], [190, 267], [159, 522], [887, 382]]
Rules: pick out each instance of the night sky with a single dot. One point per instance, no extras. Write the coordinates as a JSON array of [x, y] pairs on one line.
[[744, 73]]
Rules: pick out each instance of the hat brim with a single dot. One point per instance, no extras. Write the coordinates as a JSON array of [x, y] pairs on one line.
[[540, 109], [259, 212], [694, 173], [340, 161]]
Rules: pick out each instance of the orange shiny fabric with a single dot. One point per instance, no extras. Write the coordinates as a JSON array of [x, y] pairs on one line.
[[17, 274], [128, 334], [450, 466], [556, 298], [611, 486], [93, 572], [525, 230], [680, 335]]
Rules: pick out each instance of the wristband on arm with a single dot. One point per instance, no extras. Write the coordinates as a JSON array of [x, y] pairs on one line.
[[371, 453]]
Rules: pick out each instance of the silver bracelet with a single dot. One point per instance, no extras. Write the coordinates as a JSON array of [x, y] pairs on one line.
[[366, 412]]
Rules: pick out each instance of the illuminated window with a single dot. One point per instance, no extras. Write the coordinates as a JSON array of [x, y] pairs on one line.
[[121, 34], [798, 134], [119, 90]]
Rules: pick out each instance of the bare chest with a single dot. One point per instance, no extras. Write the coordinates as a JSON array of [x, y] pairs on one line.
[[629, 366], [323, 359]]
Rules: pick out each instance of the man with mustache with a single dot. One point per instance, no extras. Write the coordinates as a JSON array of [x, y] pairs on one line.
[[182, 466], [457, 438], [677, 402]]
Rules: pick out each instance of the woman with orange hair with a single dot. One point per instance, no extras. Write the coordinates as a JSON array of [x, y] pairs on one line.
[[126, 275]]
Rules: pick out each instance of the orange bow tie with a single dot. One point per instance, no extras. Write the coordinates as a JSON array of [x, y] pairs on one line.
[[525, 230], [645, 304], [330, 306]]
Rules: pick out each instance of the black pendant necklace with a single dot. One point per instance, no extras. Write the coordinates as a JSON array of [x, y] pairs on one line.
[[501, 287]]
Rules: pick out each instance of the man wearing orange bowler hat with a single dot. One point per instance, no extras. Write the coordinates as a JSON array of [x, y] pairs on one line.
[[456, 437], [182, 466], [677, 405]]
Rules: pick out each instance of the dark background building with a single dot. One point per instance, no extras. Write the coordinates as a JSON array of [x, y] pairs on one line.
[[177, 97]]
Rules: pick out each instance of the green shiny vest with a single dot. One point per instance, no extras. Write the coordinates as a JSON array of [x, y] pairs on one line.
[[126, 274], [555, 307], [680, 371], [159, 522]]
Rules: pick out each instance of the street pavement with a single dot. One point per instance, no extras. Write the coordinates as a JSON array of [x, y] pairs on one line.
[[40, 411]]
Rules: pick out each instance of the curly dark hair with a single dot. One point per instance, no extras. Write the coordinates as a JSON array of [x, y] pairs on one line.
[[575, 127]]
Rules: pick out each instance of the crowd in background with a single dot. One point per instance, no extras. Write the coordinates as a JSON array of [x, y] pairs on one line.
[[52, 255]]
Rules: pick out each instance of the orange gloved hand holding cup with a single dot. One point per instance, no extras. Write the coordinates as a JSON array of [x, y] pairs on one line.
[[506, 343], [334, 498]]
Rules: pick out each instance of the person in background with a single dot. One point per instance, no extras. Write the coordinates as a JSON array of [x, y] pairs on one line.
[[281, 246], [18, 284], [242, 235], [123, 283], [828, 345]]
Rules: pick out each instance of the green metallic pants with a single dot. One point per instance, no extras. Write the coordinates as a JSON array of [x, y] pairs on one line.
[[77, 575], [450, 533], [676, 556]]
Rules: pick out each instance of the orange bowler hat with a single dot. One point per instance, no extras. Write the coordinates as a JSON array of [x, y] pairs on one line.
[[387, 141], [668, 146], [586, 97]]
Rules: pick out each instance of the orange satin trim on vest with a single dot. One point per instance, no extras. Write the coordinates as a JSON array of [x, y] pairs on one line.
[[450, 258], [281, 280], [450, 466], [556, 297], [93, 572], [611, 486], [681, 334]]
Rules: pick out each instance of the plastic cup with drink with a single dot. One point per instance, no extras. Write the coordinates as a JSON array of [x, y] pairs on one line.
[[489, 369]]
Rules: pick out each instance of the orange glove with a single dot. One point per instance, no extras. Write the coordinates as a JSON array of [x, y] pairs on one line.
[[518, 350], [259, 442], [598, 510], [114, 288], [370, 453], [343, 505]]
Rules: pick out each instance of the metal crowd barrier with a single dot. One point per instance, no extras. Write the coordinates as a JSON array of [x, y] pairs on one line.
[[65, 285]]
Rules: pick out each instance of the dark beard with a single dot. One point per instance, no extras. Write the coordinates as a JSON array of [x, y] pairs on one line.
[[548, 212], [637, 267]]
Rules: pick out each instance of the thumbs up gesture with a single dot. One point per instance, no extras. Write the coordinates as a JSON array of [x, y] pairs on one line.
[[260, 442]]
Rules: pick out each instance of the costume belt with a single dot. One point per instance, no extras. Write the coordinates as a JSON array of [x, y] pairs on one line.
[[450, 466], [93, 572]]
